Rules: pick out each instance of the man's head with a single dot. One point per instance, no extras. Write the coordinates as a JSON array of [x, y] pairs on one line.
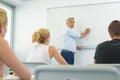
[[70, 22], [114, 29]]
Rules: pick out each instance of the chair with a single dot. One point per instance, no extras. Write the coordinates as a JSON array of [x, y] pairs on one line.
[[76, 73], [111, 65], [32, 65]]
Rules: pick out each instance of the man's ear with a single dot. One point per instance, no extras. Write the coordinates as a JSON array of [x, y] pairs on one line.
[[111, 36], [0, 28]]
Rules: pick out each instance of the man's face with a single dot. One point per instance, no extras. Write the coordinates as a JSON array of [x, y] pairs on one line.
[[70, 23]]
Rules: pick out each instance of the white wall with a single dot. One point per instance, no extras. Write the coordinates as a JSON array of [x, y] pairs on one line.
[[26, 23], [33, 15]]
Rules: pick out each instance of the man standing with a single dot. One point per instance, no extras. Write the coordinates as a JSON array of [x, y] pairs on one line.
[[69, 41]]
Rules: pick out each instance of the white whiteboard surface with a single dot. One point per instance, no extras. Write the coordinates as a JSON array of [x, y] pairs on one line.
[[95, 16]]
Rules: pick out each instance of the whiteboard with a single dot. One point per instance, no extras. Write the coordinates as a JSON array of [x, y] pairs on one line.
[[95, 16]]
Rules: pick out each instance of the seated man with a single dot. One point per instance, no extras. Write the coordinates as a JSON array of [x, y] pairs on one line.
[[109, 51]]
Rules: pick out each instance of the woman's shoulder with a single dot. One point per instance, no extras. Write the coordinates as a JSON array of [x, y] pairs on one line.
[[52, 47], [52, 50], [3, 46], [3, 42]]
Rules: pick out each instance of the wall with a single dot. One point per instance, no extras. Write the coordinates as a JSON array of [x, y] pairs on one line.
[[33, 15]]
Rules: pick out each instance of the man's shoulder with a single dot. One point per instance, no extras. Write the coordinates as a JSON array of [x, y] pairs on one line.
[[69, 30], [103, 44]]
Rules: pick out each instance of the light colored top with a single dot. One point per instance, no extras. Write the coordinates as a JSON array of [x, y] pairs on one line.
[[39, 53], [13, 77], [69, 39]]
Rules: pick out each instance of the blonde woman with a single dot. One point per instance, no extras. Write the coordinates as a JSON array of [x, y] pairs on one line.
[[41, 50], [7, 57]]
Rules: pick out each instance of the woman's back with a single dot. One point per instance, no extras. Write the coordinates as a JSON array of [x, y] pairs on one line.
[[39, 53], [41, 50]]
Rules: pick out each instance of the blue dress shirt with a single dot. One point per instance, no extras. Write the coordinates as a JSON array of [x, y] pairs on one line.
[[69, 39]]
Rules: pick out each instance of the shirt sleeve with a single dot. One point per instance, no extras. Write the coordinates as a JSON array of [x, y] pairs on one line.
[[73, 34], [99, 53], [96, 52]]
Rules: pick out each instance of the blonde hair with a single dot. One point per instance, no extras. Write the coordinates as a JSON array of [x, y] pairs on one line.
[[3, 17], [40, 36]]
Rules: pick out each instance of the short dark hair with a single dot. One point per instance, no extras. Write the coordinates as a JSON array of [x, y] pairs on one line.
[[114, 28]]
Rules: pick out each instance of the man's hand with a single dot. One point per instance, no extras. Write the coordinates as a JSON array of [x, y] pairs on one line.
[[87, 30], [79, 48]]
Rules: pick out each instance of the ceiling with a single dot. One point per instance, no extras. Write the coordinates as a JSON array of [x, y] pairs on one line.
[[21, 2], [15, 2]]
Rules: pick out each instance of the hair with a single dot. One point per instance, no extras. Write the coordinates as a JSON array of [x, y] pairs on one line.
[[69, 18], [3, 17], [41, 35], [114, 28]]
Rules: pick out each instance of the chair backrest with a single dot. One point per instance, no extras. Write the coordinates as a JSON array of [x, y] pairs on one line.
[[31, 66], [76, 73], [111, 65]]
